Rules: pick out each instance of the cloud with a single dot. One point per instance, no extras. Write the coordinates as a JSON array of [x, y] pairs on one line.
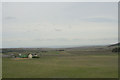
[[10, 18], [100, 19], [58, 30], [51, 24]]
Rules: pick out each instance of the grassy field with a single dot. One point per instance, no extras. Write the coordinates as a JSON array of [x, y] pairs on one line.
[[64, 66]]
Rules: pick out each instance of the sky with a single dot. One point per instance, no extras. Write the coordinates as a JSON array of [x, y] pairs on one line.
[[59, 24]]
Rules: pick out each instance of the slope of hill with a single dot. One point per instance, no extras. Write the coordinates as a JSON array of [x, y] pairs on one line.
[[117, 44]]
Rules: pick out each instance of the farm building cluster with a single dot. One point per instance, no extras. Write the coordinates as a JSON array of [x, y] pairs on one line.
[[25, 56], [28, 52]]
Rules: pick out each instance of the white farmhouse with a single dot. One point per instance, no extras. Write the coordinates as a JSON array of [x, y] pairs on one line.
[[30, 56]]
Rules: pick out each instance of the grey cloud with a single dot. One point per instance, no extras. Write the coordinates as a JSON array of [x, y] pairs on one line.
[[10, 18], [51, 39], [100, 19], [58, 29]]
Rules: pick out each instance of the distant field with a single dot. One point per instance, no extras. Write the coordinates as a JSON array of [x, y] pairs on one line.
[[68, 65]]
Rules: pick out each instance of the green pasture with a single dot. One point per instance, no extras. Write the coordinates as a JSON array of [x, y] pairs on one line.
[[66, 66]]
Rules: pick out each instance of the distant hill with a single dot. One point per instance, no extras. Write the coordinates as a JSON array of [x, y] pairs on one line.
[[117, 44], [116, 47]]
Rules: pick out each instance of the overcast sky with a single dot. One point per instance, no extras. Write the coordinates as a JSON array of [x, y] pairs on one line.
[[62, 24]]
